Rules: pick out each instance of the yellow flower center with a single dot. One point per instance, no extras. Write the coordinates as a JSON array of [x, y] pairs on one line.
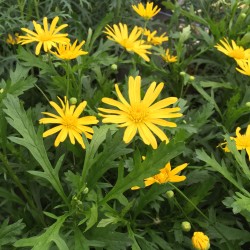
[[237, 54], [138, 113], [44, 37], [69, 122], [126, 43]]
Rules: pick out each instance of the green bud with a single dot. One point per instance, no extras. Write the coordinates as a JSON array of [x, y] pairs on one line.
[[243, 15], [114, 67], [85, 190], [72, 100], [170, 194], [182, 73], [185, 226], [191, 78], [247, 104], [1, 91]]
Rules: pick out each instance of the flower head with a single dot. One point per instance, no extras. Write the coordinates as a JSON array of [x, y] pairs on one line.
[[234, 51], [165, 175], [241, 141], [69, 122], [153, 39], [13, 39], [69, 51], [130, 42], [200, 241], [47, 37], [147, 12], [141, 115], [168, 58], [244, 66]]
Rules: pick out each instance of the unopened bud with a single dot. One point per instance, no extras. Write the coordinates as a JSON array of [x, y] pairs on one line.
[[185, 226], [114, 67], [170, 194], [243, 15], [1, 91], [247, 104], [182, 73], [191, 78], [85, 190], [72, 100]]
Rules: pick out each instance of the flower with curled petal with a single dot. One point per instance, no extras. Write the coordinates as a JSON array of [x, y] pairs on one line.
[[244, 66], [69, 122], [69, 51], [141, 115], [234, 51], [168, 58], [146, 12], [47, 36], [13, 39], [165, 175], [131, 42], [153, 39]]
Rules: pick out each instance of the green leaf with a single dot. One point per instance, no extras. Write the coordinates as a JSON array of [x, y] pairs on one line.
[[9, 233], [93, 216], [155, 160], [44, 241], [18, 119]]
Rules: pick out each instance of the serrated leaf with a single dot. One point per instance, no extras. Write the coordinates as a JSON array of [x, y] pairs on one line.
[[93, 216], [44, 241]]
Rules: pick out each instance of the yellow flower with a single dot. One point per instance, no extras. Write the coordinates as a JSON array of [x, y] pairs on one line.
[[155, 40], [147, 12], [47, 37], [244, 66], [168, 58], [165, 175], [241, 141], [141, 115], [200, 241], [234, 51], [69, 51], [13, 39], [130, 42], [69, 123]]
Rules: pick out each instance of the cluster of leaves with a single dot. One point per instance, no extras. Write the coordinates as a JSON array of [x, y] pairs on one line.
[[66, 198]]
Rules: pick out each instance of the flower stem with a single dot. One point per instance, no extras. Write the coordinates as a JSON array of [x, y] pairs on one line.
[[42, 92], [67, 76], [201, 213]]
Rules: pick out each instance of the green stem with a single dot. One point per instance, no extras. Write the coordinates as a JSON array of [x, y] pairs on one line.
[[42, 92], [67, 76], [36, 9], [201, 213]]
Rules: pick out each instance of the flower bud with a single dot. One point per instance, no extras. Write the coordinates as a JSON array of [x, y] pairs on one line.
[[114, 67], [200, 241], [1, 91], [191, 78], [85, 190], [182, 73], [185, 226], [243, 15], [72, 100], [247, 104], [170, 194]]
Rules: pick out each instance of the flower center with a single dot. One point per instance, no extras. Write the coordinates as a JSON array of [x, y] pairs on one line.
[[69, 122], [44, 37], [237, 54], [138, 113], [126, 43]]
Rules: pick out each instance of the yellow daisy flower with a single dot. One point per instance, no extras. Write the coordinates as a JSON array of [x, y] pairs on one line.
[[69, 51], [234, 51], [168, 58], [155, 40], [244, 66], [200, 241], [241, 141], [130, 42], [69, 123], [165, 175], [47, 37], [13, 39], [141, 115], [147, 12]]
